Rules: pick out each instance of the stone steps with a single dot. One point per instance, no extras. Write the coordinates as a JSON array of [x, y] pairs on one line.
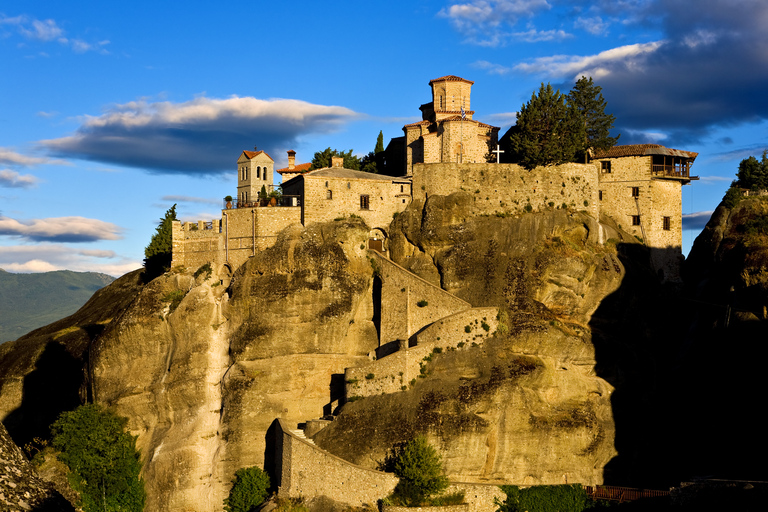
[[300, 434]]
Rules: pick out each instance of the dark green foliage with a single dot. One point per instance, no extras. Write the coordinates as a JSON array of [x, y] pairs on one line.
[[544, 498], [732, 195], [753, 173], [263, 192], [102, 458], [249, 490], [323, 159], [375, 161], [175, 298], [549, 131], [158, 254], [422, 303], [29, 301], [587, 99], [420, 470], [204, 269]]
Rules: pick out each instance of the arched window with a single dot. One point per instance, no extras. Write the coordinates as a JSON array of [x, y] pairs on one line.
[[258, 172]]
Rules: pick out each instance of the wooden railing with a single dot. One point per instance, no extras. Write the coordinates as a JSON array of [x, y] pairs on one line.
[[674, 171]]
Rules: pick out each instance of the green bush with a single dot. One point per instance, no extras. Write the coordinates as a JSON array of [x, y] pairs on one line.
[[102, 458], [420, 469], [249, 490], [422, 303], [544, 498], [467, 328], [174, 298], [204, 269]]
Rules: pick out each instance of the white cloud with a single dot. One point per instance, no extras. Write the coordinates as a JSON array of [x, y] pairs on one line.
[[49, 257], [594, 25], [60, 229], [707, 180], [696, 220], [597, 66], [47, 31], [484, 21], [198, 136], [10, 157], [13, 179]]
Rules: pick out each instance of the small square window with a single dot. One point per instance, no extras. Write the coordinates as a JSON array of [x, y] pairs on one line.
[[667, 223], [635, 191], [605, 165], [635, 220]]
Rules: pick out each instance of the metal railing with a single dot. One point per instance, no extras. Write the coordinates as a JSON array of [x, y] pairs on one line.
[[612, 493], [279, 201]]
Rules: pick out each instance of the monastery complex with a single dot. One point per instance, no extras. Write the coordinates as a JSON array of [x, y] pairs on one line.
[[638, 186]]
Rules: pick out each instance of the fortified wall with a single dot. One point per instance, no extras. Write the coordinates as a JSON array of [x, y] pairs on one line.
[[510, 188]]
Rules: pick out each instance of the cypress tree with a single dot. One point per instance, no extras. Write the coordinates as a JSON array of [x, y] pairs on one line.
[[159, 252], [587, 99], [548, 130]]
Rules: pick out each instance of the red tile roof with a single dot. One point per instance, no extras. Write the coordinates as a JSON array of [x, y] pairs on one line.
[[450, 78], [251, 154], [297, 168], [642, 150]]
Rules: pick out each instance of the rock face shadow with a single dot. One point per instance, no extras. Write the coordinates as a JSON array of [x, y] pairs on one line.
[[48, 390]]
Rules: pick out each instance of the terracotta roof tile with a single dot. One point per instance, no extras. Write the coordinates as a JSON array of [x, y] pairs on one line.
[[642, 150], [297, 168], [450, 78], [251, 154]]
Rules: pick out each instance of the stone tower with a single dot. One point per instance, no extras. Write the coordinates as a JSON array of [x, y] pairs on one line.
[[254, 171]]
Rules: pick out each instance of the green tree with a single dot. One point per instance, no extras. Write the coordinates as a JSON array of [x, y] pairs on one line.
[[548, 130], [587, 99], [159, 252], [544, 498], [753, 173], [102, 458], [323, 159], [374, 161], [249, 490], [420, 469]]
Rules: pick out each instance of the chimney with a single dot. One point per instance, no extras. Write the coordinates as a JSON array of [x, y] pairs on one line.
[[337, 161], [291, 159]]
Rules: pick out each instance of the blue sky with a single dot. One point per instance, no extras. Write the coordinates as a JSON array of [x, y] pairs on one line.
[[112, 112]]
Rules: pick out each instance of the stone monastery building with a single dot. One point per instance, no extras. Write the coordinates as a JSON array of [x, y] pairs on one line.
[[639, 186]]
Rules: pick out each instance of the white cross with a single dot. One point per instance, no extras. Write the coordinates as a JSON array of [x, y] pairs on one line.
[[498, 152]]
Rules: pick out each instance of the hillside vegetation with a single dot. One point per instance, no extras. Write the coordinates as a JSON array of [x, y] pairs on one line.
[[29, 301]]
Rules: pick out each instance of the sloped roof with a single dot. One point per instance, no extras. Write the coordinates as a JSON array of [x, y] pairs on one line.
[[642, 150], [450, 78], [349, 174], [297, 168], [251, 154], [458, 118]]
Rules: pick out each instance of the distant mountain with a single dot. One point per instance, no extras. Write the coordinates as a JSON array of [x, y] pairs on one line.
[[29, 301]]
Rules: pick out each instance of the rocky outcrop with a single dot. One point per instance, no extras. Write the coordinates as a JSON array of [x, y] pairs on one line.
[[21, 489]]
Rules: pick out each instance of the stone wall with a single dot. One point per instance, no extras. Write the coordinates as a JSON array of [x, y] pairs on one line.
[[232, 239], [327, 198], [509, 188], [401, 294], [479, 497], [306, 471]]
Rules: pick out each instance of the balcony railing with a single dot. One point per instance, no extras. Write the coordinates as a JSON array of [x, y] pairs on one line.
[[264, 203], [672, 171]]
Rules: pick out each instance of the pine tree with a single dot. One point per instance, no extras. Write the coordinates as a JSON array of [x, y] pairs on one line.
[[548, 130], [587, 99], [159, 252], [374, 161], [379, 143]]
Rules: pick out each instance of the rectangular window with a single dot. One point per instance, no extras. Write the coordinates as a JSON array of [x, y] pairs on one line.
[[364, 203], [329, 194], [667, 223], [635, 191], [600, 195], [605, 166], [635, 220]]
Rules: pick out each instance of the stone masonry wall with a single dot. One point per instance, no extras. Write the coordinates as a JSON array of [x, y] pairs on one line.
[[509, 188], [385, 198], [401, 293], [308, 471]]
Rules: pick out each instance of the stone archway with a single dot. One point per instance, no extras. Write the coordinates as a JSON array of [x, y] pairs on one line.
[[377, 239]]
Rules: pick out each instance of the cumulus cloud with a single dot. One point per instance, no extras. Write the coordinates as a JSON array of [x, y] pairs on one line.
[[49, 257], [49, 31], [59, 229], [708, 68], [13, 179], [490, 22], [10, 157], [196, 137], [696, 221]]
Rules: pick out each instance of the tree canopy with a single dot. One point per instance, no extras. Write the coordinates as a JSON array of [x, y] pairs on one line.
[[420, 469], [102, 458], [323, 159], [249, 490], [587, 99], [159, 252], [753, 173], [549, 130]]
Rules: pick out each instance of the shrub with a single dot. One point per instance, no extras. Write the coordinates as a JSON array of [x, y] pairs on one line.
[[204, 269], [102, 458], [485, 326], [249, 490], [420, 469], [544, 498], [370, 376], [467, 328], [422, 303], [174, 298]]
